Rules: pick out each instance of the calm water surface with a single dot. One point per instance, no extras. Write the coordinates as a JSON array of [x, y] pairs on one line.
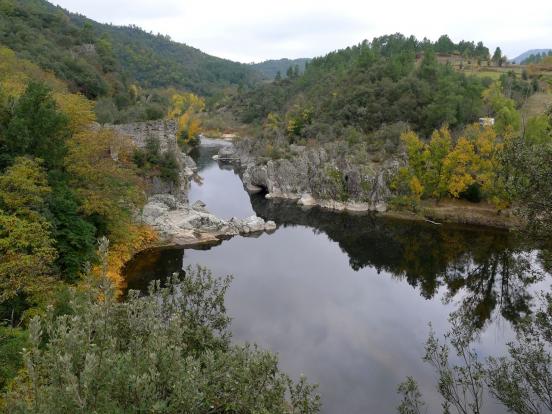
[[346, 299]]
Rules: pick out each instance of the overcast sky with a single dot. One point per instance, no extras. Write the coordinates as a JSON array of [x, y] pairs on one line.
[[256, 30]]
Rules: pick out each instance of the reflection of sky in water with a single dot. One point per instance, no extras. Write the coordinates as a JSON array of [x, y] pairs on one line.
[[357, 333], [221, 188]]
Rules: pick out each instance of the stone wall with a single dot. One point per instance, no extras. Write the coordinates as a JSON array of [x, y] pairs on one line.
[[164, 130]]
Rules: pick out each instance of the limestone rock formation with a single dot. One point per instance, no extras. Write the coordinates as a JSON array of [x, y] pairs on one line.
[[183, 225], [227, 153], [164, 131], [312, 177]]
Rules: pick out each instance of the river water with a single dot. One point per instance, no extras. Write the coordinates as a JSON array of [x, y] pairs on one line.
[[346, 299]]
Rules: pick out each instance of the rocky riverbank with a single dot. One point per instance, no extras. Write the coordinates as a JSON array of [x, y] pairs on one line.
[[181, 224], [167, 209], [311, 177]]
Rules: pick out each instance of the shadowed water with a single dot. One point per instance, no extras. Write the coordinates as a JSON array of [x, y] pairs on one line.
[[346, 299], [220, 188]]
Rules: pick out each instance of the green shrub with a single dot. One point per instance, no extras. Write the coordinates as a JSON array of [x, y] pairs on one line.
[[167, 352], [12, 342], [472, 193]]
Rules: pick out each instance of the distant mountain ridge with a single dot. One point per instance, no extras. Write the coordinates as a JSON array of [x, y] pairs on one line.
[[269, 68], [519, 59], [99, 59]]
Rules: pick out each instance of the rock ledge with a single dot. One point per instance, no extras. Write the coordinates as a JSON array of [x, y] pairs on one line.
[[180, 224]]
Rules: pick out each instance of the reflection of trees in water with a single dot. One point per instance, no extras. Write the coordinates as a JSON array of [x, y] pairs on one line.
[[488, 270], [152, 264], [499, 279]]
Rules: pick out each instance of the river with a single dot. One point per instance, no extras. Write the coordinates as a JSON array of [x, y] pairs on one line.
[[346, 299]]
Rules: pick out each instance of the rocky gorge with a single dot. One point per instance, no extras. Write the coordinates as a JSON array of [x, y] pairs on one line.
[[167, 208], [308, 176], [318, 176], [311, 176]]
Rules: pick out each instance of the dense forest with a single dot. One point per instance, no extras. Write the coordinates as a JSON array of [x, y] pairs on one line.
[[130, 72], [272, 69], [393, 78]]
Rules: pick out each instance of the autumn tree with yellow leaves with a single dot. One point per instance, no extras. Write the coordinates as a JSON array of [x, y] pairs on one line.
[[186, 107], [64, 183], [27, 248], [440, 168]]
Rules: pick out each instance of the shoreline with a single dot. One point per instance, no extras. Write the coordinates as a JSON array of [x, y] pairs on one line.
[[448, 211], [451, 212], [168, 218]]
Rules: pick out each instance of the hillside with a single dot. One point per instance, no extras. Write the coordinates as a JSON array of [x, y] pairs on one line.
[[270, 68], [364, 90], [521, 58], [358, 89], [102, 60]]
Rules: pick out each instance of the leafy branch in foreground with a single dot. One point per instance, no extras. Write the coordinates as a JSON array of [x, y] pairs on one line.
[[521, 380], [167, 352]]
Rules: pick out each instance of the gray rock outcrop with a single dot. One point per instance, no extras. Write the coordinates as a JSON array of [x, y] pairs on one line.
[[164, 132], [227, 153], [180, 224], [312, 177]]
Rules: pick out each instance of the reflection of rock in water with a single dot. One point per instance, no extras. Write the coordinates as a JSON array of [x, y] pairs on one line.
[[203, 154], [485, 271], [152, 264], [485, 268]]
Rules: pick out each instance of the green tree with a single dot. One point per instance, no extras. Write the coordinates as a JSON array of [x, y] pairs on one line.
[[23, 188], [36, 127], [289, 73], [538, 130], [497, 56], [437, 150], [444, 45], [12, 341], [168, 352], [507, 118], [74, 236], [27, 250], [530, 184]]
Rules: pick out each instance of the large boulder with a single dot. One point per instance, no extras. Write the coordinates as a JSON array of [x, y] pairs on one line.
[[227, 153], [180, 224]]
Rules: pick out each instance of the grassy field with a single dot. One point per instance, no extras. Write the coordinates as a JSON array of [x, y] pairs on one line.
[[492, 72], [537, 104]]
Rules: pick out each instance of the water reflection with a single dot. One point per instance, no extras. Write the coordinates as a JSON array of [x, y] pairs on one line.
[[492, 269], [218, 185], [346, 298]]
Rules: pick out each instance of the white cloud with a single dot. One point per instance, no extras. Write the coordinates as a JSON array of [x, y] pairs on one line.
[[248, 30]]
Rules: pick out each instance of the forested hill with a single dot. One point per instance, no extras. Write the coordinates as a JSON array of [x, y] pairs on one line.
[[98, 59], [531, 56], [393, 78], [270, 68]]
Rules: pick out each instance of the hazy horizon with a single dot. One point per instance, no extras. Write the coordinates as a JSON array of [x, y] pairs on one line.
[[246, 32]]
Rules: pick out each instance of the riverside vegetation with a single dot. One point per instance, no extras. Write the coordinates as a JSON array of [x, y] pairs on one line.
[[66, 183], [391, 126], [69, 343]]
